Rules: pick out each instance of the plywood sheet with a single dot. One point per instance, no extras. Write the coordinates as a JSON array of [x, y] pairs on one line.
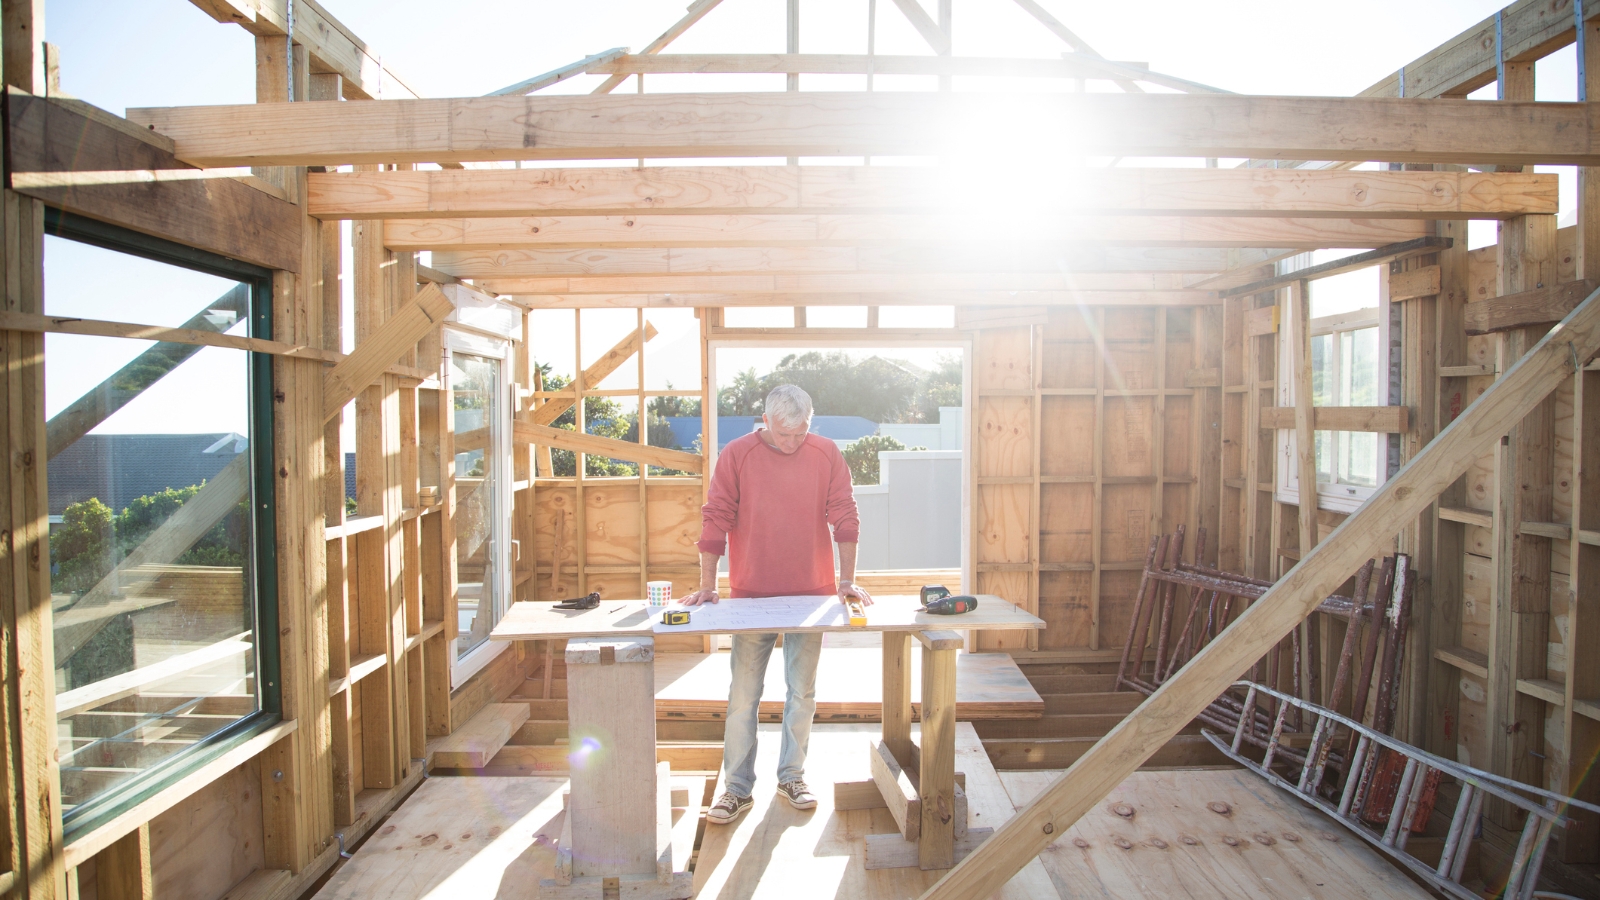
[[849, 683], [1177, 846], [774, 851], [1004, 359], [533, 621]]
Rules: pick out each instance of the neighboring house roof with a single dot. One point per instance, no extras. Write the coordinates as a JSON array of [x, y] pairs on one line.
[[835, 428], [120, 468]]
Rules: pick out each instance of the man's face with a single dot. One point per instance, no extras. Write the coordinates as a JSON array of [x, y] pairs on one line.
[[786, 438]]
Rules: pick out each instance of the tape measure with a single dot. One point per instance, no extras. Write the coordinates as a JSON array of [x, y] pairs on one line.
[[858, 613], [675, 617]]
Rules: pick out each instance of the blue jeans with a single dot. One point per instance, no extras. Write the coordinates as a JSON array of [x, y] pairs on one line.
[[749, 659]]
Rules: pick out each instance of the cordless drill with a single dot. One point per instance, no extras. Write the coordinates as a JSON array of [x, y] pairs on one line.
[[937, 601]]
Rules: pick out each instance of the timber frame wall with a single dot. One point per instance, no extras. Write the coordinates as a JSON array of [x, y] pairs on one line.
[[1095, 424]]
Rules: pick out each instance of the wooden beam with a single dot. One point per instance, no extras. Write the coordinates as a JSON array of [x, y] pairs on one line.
[[595, 445], [840, 283], [1514, 133], [733, 190], [1540, 306], [595, 373], [122, 870], [1418, 283], [52, 140], [556, 76], [1078, 44], [400, 332], [334, 48], [1371, 258], [1379, 419], [1366, 532], [849, 64], [1530, 29], [697, 11], [843, 233], [960, 299], [925, 26]]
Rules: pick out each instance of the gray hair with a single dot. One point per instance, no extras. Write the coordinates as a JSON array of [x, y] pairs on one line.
[[789, 404]]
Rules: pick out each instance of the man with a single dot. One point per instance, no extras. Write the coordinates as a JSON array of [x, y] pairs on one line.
[[773, 495]]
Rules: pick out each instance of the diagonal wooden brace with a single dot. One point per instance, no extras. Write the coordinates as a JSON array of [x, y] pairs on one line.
[[1369, 529], [612, 448], [355, 372]]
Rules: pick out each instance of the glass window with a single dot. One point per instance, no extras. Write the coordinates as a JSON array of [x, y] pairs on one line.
[[155, 513], [475, 390]]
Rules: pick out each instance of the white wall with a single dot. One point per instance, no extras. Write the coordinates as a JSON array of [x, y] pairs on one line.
[[912, 518], [945, 435]]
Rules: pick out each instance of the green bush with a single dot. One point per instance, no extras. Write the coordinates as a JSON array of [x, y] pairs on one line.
[[862, 456]]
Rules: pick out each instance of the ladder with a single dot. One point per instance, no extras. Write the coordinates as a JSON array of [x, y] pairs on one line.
[[1385, 818]]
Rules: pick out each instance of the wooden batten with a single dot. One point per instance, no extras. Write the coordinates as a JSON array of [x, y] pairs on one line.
[[66, 154]]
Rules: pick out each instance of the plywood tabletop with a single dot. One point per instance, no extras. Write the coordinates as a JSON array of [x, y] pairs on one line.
[[897, 612]]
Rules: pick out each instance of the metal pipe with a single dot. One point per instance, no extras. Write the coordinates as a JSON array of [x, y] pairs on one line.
[[1452, 839], [1245, 716], [1468, 833], [1362, 747]]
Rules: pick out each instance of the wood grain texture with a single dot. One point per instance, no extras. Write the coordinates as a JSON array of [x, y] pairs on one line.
[[824, 124], [743, 190], [1267, 845], [1318, 573], [462, 243], [48, 139]]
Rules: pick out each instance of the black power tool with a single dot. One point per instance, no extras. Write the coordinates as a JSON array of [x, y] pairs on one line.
[[937, 601]]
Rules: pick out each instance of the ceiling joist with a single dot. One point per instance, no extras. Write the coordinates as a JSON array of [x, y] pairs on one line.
[[730, 190]]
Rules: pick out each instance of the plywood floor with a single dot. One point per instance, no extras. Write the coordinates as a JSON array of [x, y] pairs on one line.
[[849, 685], [776, 851], [464, 838], [1175, 845]]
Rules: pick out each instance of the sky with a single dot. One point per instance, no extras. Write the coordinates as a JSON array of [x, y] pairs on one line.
[[170, 53]]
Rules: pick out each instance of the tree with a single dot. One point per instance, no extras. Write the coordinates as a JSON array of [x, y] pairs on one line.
[[601, 416], [862, 456], [941, 387], [744, 396]]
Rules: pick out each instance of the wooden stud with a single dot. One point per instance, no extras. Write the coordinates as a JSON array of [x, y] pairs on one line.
[[1304, 435], [1277, 612], [897, 693], [122, 870], [936, 770]]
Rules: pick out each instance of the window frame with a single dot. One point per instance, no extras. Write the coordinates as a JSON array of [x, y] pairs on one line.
[[466, 339], [1335, 496], [117, 800]]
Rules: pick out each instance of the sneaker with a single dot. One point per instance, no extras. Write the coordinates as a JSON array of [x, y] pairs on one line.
[[728, 808], [798, 794]]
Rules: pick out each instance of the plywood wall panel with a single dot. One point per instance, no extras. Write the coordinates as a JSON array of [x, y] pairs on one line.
[[1005, 436], [211, 841], [1005, 359], [1066, 602], [1125, 523], [1178, 449], [1472, 739], [1129, 435], [1002, 520], [1180, 354], [1477, 591], [1066, 438], [1561, 484], [1066, 520], [674, 522], [611, 525], [1117, 591]]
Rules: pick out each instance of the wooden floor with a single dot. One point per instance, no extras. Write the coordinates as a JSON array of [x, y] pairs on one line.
[[477, 838], [849, 685], [1177, 846], [776, 851]]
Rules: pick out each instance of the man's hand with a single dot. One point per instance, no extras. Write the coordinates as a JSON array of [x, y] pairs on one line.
[[849, 589], [704, 595]]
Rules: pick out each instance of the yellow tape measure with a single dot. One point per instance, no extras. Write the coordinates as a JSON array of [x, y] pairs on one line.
[[675, 617], [858, 613]]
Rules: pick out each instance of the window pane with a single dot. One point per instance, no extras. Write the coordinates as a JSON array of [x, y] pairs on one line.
[[474, 385], [1321, 378], [1359, 369], [1360, 465], [152, 528]]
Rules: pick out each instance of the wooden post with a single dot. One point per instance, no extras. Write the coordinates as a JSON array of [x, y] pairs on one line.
[[1523, 468], [897, 694], [1305, 438], [1278, 611], [936, 772], [122, 870]]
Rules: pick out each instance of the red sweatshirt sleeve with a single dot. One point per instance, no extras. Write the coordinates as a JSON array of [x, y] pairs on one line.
[[721, 510], [841, 510]]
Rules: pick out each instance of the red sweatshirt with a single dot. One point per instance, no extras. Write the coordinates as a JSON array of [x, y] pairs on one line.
[[774, 510]]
